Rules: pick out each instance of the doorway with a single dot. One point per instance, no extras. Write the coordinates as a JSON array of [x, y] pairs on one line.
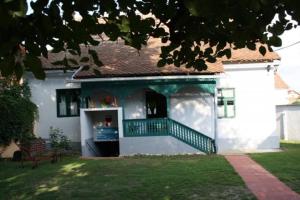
[[156, 105]]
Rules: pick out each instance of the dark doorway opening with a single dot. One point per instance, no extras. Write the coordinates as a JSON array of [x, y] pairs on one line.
[[156, 105], [108, 148]]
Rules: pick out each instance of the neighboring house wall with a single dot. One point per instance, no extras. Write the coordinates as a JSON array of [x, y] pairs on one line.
[[8, 152], [254, 124], [44, 96], [281, 97], [288, 121]]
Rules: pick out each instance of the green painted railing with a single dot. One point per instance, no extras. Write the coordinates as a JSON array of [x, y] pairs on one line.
[[169, 127]]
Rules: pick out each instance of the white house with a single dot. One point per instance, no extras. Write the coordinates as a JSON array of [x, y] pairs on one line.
[[287, 110], [133, 107]]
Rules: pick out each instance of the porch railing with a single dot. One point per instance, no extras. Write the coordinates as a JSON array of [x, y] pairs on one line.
[[169, 127]]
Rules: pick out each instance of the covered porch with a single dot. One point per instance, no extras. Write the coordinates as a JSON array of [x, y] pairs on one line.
[[151, 108]]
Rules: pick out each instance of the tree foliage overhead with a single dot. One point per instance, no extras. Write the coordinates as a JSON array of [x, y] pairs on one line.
[[184, 25]]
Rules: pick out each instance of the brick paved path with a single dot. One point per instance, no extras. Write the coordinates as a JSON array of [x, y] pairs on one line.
[[263, 184]]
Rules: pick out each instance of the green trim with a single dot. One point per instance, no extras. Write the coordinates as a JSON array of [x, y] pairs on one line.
[[225, 101], [68, 93], [169, 127], [164, 87]]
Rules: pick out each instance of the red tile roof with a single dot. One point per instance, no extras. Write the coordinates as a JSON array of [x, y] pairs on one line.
[[121, 61]]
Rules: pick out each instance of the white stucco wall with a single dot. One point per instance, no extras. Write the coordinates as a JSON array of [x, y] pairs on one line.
[[88, 118], [135, 105], [188, 106], [288, 122], [154, 145], [254, 124], [44, 96], [195, 109]]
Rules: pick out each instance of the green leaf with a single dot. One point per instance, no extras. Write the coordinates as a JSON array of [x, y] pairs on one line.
[[158, 32], [251, 46], [94, 54], [262, 50], [169, 61], [289, 26], [227, 52], [208, 51], [177, 63], [34, 64], [7, 66], [200, 65], [211, 59], [164, 39], [161, 62], [21, 8], [19, 70], [275, 41]]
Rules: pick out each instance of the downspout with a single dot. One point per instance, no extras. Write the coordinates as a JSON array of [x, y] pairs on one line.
[[285, 126], [215, 119], [78, 70]]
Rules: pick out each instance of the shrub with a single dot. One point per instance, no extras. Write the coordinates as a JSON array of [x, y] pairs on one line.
[[17, 112], [58, 140]]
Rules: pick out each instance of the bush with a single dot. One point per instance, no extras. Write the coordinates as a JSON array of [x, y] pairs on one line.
[[58, 140], [17, 112]]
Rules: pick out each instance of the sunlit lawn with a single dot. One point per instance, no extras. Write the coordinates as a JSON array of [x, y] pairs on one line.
[[134, 178], [285, 165]]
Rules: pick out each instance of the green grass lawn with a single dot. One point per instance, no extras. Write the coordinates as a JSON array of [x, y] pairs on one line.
[[285, 165], [134, 178]]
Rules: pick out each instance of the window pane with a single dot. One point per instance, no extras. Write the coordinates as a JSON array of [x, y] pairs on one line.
[[230, 110], [68, 102], [230, 102], [62, 106], [219, 93], [220, 102], [227, 93], [74, 104], [221, 111], [74, 108], [226, 102]]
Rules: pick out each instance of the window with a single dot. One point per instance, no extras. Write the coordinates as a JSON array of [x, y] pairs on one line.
[[68, 102], [226, 103]]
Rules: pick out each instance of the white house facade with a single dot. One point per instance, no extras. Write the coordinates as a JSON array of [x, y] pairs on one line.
[[132, 107]]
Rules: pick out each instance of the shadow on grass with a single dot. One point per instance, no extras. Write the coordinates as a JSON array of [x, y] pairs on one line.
[[179, 177]]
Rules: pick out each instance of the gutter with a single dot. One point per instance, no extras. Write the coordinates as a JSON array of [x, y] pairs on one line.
[[139, 78]]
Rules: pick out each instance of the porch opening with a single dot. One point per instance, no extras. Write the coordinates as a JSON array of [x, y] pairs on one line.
[[156, 105], [108, 148], [100, 129]]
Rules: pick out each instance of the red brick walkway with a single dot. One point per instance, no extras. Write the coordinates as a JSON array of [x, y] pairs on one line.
[[263, 184]]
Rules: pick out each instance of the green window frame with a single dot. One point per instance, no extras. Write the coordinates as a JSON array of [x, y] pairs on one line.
[[226, 103], [68, 102]]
